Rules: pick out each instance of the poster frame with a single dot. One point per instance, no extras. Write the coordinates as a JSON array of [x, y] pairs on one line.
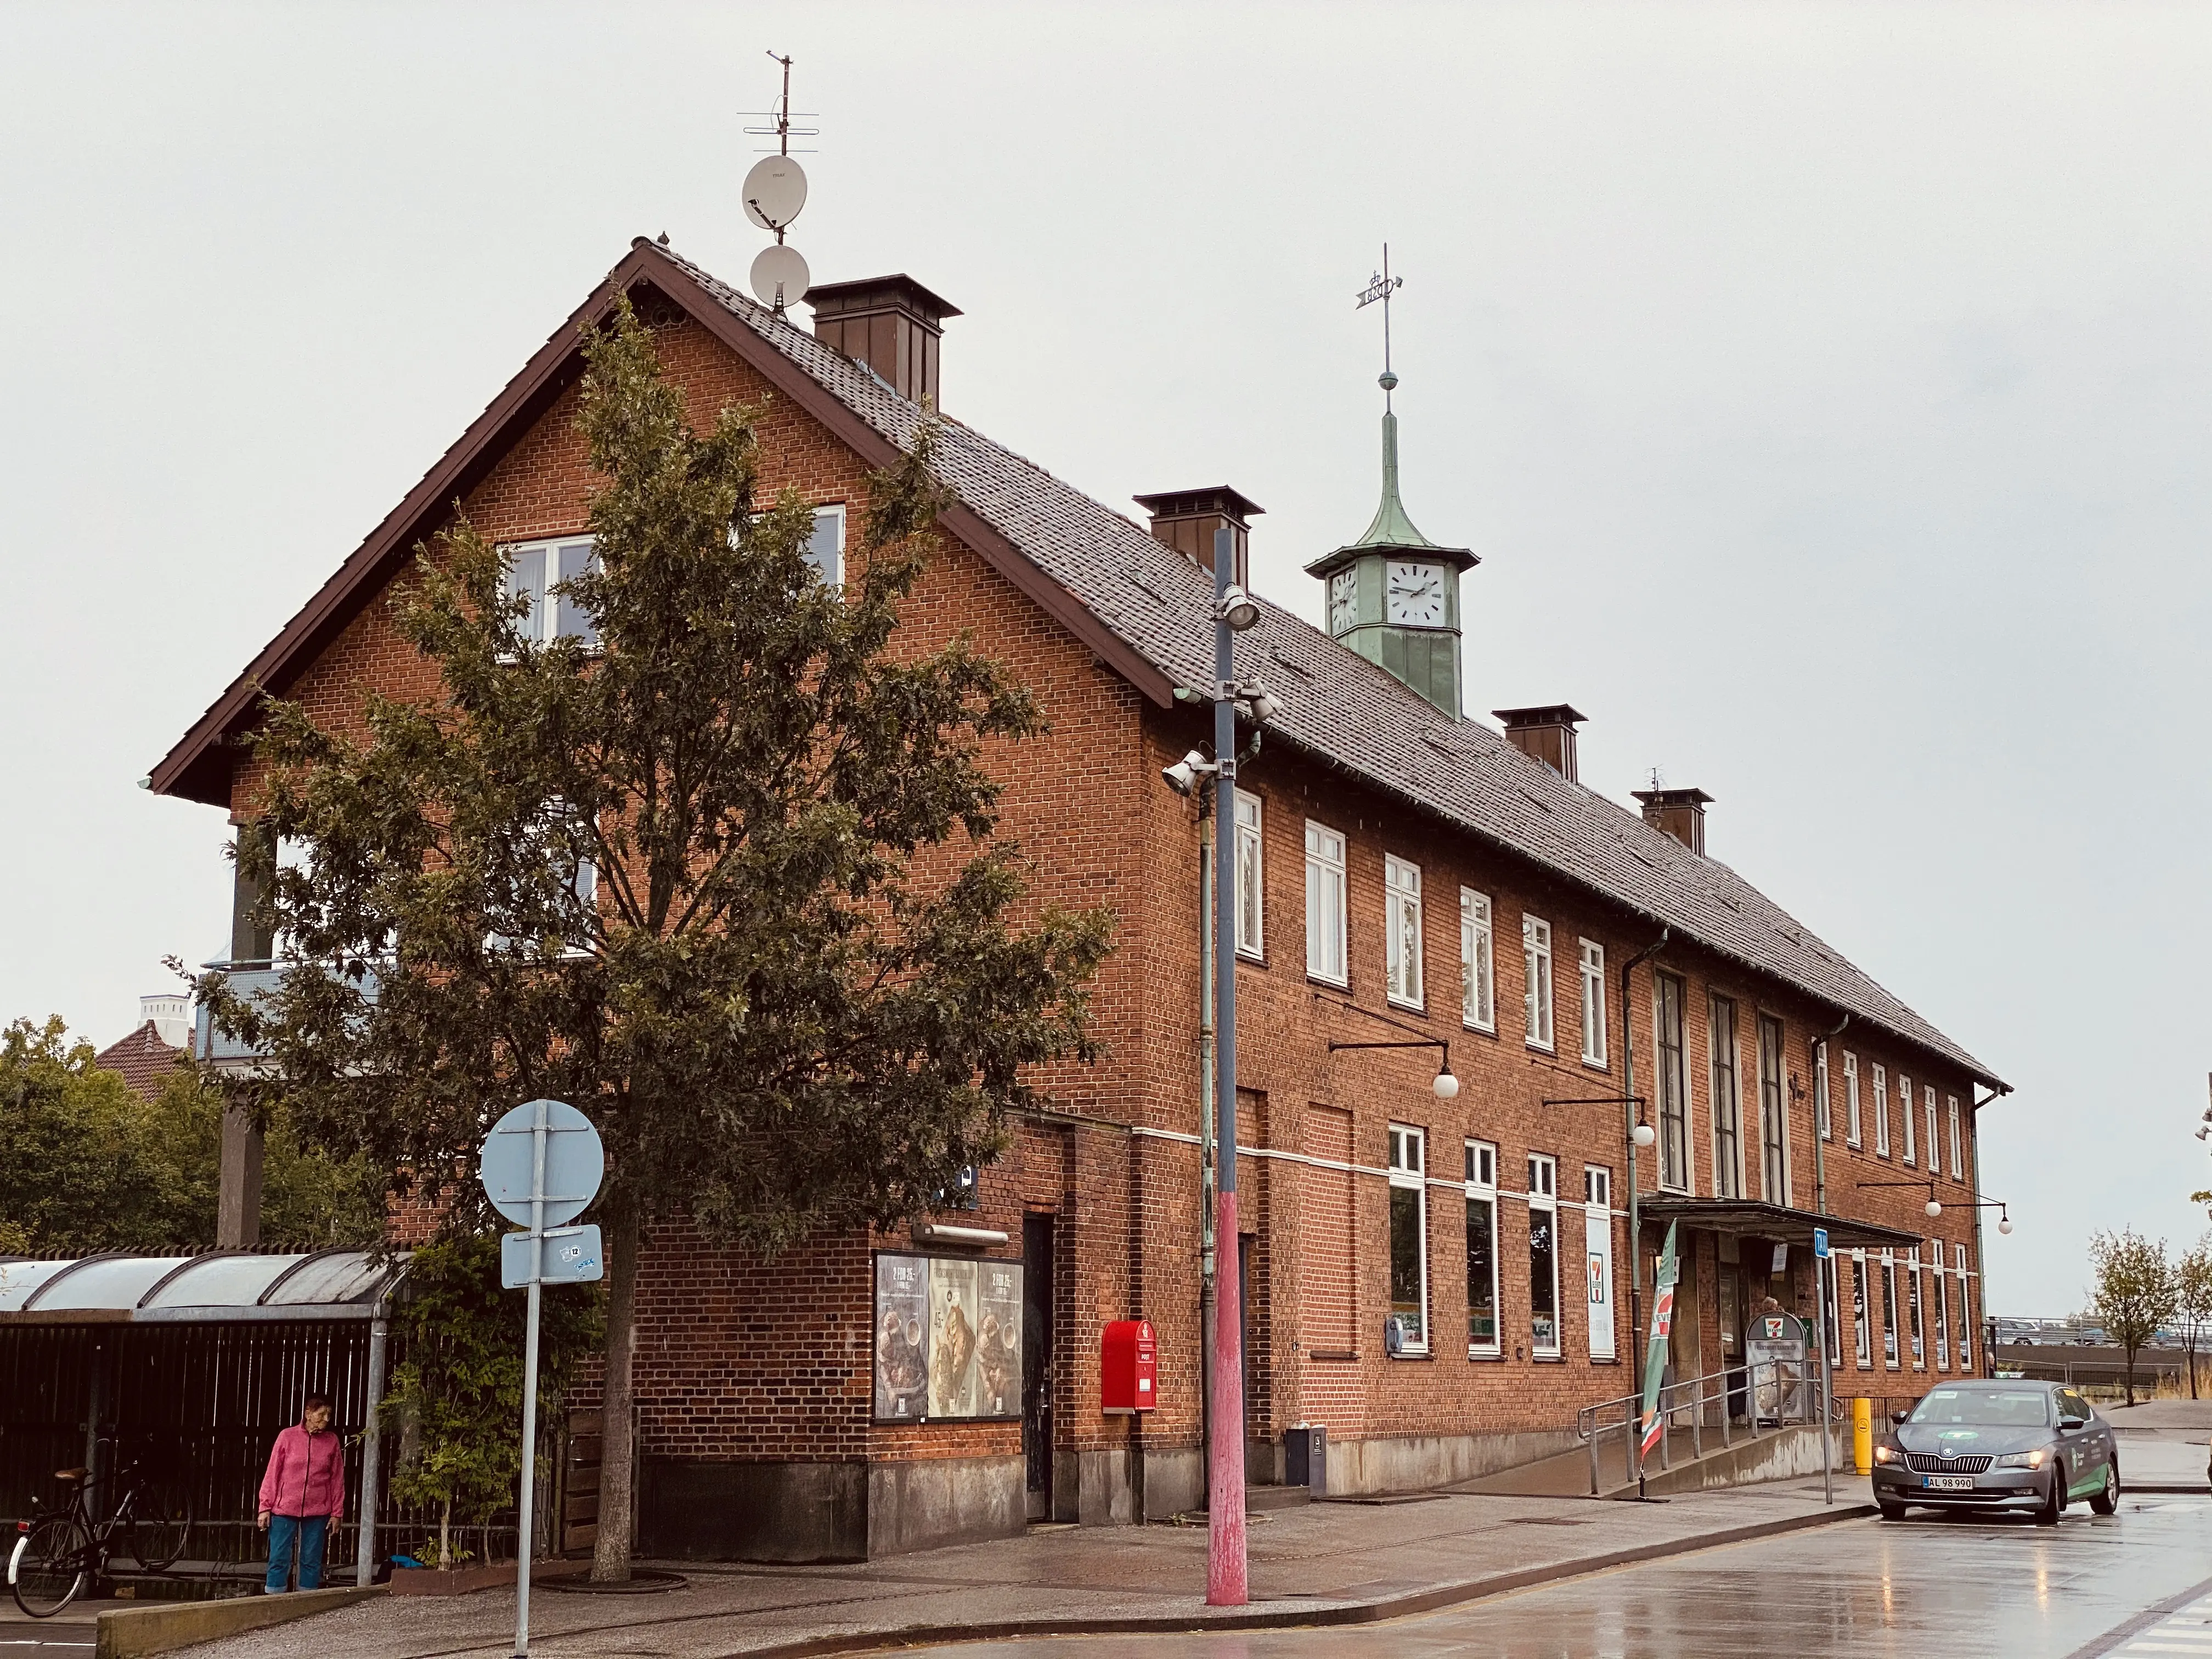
[[1019, 1265]]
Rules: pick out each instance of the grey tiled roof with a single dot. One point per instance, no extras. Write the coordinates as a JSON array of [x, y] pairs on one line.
[[1338, 706]]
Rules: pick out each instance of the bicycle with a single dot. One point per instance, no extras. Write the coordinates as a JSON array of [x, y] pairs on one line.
[[57, 1554]]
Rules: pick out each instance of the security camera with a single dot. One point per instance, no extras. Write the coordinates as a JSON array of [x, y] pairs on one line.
[[1183, 777], [1264, 707]]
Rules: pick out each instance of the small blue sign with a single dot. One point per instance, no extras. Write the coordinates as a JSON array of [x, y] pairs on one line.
[[570, 1255], [1820, 1243]]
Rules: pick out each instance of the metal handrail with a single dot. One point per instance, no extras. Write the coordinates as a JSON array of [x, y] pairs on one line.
[[1691, 1394]]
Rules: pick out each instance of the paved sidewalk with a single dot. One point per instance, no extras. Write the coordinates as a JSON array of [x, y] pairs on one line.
[[1326, 1563]]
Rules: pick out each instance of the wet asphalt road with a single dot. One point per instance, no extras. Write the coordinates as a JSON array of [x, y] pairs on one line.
[[1929, 1586]]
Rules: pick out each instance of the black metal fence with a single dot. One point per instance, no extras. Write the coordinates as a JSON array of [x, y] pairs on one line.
[[199, 1406]]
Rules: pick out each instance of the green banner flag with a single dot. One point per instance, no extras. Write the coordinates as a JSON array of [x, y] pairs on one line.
[[1655, 1362]]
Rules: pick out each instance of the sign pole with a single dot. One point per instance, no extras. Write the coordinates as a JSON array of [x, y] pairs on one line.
[[537, 1135], [1820, 1260]]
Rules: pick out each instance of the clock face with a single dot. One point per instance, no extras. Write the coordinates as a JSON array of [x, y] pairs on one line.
[[1416, 595], [1343, 595]]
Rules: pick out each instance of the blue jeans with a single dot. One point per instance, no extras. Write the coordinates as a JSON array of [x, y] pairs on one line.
[[308, 1531]]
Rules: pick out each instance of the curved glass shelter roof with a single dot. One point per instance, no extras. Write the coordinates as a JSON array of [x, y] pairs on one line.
[[222, 1286]]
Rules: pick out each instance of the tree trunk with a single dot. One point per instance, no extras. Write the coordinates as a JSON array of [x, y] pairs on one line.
[[2132, 1376], [445, 1536], [2189, 1348], [611, 1553]]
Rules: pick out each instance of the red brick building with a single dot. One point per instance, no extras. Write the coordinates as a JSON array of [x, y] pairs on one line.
[[1390, 854]]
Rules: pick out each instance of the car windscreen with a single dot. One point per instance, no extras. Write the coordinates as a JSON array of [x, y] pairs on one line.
[[1984, 1409]]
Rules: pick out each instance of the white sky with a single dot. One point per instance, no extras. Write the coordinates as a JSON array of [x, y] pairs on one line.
[[1825, 387]]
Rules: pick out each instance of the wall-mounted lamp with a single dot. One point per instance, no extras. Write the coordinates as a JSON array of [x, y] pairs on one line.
[[1446, 1086]]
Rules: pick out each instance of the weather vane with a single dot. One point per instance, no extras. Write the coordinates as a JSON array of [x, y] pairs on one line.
[[1381, 286]]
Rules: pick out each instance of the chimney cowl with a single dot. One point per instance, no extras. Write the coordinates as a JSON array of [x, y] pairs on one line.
[[888, 324], [1679, 813], [1545, 732], [1186, 519]]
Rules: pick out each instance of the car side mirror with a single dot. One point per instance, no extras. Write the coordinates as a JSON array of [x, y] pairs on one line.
[[1897, 1418], [2072, 1422]]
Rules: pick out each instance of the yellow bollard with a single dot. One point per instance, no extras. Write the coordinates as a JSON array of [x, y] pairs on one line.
[[1862, 1435]]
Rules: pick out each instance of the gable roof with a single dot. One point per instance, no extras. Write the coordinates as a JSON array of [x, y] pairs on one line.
[[144, 1059], [1146, 612]]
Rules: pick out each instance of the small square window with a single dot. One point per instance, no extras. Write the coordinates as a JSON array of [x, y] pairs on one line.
[[540, 572]]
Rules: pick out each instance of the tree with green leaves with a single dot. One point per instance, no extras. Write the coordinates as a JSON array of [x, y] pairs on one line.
[[718, 867], [2192, 1301], [2135, 1293], [456, 1399], [86, 1164]]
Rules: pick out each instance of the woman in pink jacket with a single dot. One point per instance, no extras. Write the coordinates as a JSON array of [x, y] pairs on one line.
[[302, 1493]]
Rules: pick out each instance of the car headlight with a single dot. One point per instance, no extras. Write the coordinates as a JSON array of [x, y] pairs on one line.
[[1885, 1454], [2026, 1460]]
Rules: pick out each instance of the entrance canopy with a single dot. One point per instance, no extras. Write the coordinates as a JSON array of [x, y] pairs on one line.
[[217, 1287], [1741, 1217]]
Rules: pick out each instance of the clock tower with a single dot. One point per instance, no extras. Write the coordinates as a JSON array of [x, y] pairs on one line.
[[1393, 594]]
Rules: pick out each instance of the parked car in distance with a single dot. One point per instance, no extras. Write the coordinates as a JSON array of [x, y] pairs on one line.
[[2005, 1445]]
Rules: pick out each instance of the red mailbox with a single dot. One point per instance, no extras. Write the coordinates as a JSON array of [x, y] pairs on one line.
[[1129, 1363]]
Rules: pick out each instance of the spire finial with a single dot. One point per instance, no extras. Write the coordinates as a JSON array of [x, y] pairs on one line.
[[1381, 286]]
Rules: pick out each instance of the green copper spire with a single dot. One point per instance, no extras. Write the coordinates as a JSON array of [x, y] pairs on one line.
[[1390, 527]]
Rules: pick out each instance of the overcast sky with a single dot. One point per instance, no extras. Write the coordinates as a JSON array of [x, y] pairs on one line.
[[1826, 389]]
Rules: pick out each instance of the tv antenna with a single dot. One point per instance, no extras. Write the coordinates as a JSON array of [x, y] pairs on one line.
[[774, 194], [1382, 286]]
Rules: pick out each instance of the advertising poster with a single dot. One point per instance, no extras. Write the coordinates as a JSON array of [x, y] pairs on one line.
[[902, 1338], [1597, 1236], [953, 1317], [999, 1340]]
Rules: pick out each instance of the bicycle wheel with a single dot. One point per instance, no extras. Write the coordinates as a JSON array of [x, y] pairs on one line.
[[157, 1532], [47, 1570]]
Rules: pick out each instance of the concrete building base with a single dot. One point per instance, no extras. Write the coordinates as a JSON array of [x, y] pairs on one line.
[[1418, 1462], [797, 1512]]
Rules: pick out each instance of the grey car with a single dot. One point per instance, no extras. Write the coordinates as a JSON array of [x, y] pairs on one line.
[[2005, 1446]]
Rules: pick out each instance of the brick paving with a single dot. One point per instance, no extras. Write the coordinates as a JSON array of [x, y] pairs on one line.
[[1325, 1563]]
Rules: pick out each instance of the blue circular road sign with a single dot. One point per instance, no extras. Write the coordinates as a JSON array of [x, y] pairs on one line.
[[575, 1162]]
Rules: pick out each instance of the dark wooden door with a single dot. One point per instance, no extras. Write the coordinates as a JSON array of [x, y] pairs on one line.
[[1037, 1361]]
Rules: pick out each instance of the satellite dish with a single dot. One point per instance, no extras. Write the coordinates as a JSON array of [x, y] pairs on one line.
[[775, 190], [780, 275]]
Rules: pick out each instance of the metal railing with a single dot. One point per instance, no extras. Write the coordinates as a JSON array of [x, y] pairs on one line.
[[1778, 1392]]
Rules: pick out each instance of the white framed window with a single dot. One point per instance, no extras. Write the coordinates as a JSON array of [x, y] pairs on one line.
[[1889, 1308], [1409, 1236], [1482, 1330], [1537, 962], [1951, 1112], [1934, 1154], [1965, 1310], [1905, 1112], [1919, 1310], [1250, 893], [1727, 1097], [1478, 972], [1851, 1098], [1401, 898], [825, 548], [1593, 960], [1862, 1332], [539, 572], [1943, 1306], [1881, 1112], [1327, 956], [1543, 1254], [1773, 1114], [1823, 1124], [1674, 1082]]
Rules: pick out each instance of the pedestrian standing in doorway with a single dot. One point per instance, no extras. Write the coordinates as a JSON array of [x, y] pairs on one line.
[[303, 1495]]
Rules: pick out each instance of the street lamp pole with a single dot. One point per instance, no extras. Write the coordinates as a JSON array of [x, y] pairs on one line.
[[1225, 1577]]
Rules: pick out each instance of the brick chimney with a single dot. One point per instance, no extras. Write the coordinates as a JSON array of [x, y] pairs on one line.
[[889, 324], [1679, 813], [1545, 733], [1186, 519]]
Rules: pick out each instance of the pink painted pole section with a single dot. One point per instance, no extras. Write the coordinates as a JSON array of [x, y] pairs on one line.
[[1225, 1582]]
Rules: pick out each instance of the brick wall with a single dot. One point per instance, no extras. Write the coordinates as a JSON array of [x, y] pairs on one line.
[[738, 1359]]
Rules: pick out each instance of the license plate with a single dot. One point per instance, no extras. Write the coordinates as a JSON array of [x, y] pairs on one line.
[[1947, 1482]]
